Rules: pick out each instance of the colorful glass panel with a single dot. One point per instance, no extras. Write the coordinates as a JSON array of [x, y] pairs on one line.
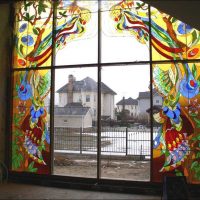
[[193, 43], [33, 34], [176, 143], [30, 131], [125, 31], [76, 32]]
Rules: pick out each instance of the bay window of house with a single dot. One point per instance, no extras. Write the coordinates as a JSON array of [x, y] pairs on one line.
[[80, 67]]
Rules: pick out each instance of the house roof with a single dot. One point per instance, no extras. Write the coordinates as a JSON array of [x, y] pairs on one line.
[[71, 109], [146, 95], [128, 101], [87, 84]]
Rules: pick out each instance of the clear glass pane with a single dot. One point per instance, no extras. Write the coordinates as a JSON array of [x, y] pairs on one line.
[[75, 117], [76, 32], [169, 37], [125, 31], [30, 122], [125, 136]]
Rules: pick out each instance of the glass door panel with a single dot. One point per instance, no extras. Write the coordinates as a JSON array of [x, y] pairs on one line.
[[125, 131], [75, 119]]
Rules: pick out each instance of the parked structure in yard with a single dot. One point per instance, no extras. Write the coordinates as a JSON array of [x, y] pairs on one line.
[[84, 92], [73, 115]]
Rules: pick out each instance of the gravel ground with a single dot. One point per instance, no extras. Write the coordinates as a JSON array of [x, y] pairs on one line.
[[111, 168]]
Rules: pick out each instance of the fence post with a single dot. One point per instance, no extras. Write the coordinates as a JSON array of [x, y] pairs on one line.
[[80, 140], [141, 153], [126, 141]]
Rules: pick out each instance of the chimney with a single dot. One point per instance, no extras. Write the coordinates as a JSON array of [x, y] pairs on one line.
[[71, 80], [123, 104]]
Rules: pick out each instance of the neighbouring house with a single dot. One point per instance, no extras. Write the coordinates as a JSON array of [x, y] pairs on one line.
[[155, 109], [130, 104], [85, 93], [73, 115]]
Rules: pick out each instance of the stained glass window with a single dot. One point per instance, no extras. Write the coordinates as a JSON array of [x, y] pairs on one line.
[[107, 36]]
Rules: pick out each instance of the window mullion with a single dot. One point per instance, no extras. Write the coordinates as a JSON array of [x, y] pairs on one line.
[[99, 96], [52, 88]]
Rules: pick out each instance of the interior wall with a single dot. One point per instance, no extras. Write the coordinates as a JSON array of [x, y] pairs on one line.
[[4, 66]]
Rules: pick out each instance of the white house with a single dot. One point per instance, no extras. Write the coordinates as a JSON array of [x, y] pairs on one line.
[[128, 104], [85, 93]]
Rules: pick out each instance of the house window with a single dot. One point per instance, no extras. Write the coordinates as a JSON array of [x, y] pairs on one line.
[[80, 99], [87, 98], [57, 49]]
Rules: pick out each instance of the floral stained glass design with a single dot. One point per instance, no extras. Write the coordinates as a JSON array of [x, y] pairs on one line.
[[30, 132]]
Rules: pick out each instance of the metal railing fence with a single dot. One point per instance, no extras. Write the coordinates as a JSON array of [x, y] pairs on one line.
[[114, 140]]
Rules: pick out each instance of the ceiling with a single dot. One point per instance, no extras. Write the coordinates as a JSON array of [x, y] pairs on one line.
[[184, 10]]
